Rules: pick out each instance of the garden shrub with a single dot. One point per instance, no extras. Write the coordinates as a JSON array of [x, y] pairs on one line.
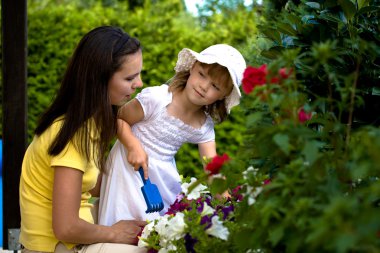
[[164, 28], [309, 167]]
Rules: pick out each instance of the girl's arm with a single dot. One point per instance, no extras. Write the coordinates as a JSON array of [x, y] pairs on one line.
[[69, 227], [207, 149], [130, 114]]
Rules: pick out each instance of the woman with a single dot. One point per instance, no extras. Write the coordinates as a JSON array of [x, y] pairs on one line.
[[62, 165]]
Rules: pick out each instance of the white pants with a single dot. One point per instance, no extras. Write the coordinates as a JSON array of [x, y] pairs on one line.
[[94, 248]]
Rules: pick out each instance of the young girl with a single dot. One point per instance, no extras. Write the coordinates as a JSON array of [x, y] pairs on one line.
[[61, 166], [204, 89]]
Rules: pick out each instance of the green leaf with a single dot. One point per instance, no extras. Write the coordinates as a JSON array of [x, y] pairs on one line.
[[311, 151], [368, 9], [348, 7], [330, 17], [253, 118], [313, 5], [287, 29], [271, 33], [282, 142], [362, 3], [276, 234], [273, 52]]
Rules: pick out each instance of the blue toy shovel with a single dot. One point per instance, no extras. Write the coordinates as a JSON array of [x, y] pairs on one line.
[[151, 194]]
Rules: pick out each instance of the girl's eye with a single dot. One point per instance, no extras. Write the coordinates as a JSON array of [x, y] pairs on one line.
[[216, 87], [201, 74]]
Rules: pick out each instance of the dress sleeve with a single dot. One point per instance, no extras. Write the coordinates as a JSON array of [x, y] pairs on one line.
[[207, 134], [152, 98]]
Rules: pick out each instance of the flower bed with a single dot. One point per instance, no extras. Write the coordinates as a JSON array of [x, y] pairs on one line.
[[195, 222]]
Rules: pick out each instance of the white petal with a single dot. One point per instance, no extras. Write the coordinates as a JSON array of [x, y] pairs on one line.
[[217, 229]]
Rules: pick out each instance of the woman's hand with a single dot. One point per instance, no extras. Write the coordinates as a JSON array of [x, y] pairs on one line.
[[127, 231]]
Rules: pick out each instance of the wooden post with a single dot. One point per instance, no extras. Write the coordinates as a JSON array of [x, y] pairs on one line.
[[14, 73]]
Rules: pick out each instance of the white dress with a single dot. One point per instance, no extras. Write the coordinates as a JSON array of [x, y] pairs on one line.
[[161, 136]]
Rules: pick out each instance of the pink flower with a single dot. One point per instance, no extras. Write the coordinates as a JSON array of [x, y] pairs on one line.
[[303, 116], [267, 181], [216, 164], [253, 77]]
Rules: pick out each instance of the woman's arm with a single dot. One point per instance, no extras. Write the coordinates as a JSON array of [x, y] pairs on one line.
[[69, 227]]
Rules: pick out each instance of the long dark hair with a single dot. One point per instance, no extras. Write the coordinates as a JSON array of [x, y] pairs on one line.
[[83, 99]]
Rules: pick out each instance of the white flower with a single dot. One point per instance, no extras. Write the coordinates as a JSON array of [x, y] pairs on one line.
[[162, 224], [252, 194], [170, 228], [207, 209], [248, 171], [145, 234], [196, 192], [176, 227], [217, 229], [169, 248]]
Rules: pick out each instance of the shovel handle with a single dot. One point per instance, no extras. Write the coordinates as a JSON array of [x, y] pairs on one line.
[[141, 171]]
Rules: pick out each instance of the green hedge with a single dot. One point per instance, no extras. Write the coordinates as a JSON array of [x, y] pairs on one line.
[[164, 28]]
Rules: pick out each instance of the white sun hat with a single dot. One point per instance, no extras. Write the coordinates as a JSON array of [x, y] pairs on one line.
[[222, 54]]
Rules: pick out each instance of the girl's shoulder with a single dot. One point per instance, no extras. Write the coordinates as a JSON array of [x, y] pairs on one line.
[[155, 95]]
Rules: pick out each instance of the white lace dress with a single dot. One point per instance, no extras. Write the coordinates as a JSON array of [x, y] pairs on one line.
[[161, 136]]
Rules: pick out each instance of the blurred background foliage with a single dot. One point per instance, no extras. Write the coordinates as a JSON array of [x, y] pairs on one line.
[[164, 28], [324, 190]]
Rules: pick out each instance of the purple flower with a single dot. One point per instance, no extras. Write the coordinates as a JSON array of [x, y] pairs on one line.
[[189, 243], [227, 210], [206, 220]]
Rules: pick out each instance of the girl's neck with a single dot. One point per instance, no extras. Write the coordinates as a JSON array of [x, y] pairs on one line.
[[181, 108]]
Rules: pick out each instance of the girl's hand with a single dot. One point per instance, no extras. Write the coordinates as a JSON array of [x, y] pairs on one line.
[[127, 231], [137, 157]]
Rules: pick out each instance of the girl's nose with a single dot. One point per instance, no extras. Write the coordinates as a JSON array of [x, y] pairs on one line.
[[204, 86]]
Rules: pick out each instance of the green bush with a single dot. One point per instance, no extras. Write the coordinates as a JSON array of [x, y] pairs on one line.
[[309, 167], [164, 28]]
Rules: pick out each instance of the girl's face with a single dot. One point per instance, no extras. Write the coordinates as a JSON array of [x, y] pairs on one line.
[[202, 88], [124, 82]]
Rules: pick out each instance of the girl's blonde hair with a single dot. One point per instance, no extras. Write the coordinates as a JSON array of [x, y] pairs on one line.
[[219, 74]]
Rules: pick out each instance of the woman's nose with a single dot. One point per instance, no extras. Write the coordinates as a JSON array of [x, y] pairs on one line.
[[138, 83]]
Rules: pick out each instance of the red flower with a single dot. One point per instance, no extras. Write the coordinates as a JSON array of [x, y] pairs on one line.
[[285, 73], [267, 181], [253, 77], [216, 164], [303, 116]]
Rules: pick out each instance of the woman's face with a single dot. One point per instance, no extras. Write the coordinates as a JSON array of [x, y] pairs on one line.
[[124, 82]]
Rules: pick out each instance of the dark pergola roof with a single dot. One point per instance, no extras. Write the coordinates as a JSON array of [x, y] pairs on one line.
[[14, 76]]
